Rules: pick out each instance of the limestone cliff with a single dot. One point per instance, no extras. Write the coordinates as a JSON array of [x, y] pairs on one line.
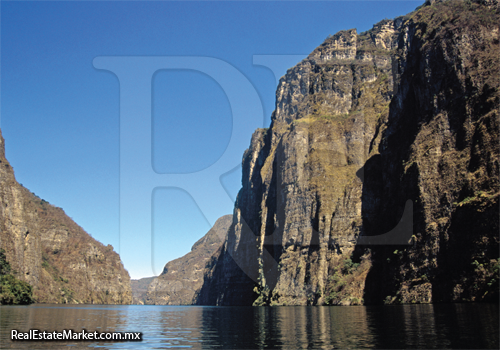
[[48, 250], [182, 278], [405, 111]]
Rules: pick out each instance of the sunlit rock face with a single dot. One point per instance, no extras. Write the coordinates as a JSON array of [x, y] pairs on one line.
[[182, 278], [368, 121], [47, 249]]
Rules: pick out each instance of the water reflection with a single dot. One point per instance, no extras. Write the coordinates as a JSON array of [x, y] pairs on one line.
[[288, 328], [407, 326]]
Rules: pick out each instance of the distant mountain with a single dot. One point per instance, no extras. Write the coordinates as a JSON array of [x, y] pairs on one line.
[[404, 115], [182, 278], [47, 249], [140, 289]]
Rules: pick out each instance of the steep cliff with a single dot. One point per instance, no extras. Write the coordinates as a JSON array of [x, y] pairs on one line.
[[405, 111], [182, 278], [52, 253], [441, 151], [299, 211]]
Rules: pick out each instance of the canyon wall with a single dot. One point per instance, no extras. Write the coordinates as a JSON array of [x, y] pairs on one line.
[[404, 115]]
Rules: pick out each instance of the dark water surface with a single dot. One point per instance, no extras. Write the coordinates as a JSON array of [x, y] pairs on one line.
[[439, 326]]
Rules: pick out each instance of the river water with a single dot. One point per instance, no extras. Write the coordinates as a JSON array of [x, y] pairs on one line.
[[440, 326]]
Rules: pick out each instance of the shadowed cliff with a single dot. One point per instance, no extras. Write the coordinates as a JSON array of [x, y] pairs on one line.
[[441, 151]]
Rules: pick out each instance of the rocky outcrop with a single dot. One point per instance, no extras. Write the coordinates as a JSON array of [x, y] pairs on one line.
[[182, 278], [367, 122], [52, 253]]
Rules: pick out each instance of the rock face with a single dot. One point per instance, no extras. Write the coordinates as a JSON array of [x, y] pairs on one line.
[[182, 278], [405, 111], [48, 250]]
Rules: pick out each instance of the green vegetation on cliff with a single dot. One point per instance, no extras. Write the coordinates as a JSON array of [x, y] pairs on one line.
[[12, 290]]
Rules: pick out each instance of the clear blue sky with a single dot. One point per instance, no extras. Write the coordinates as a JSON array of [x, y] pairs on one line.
[[60, 116]]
